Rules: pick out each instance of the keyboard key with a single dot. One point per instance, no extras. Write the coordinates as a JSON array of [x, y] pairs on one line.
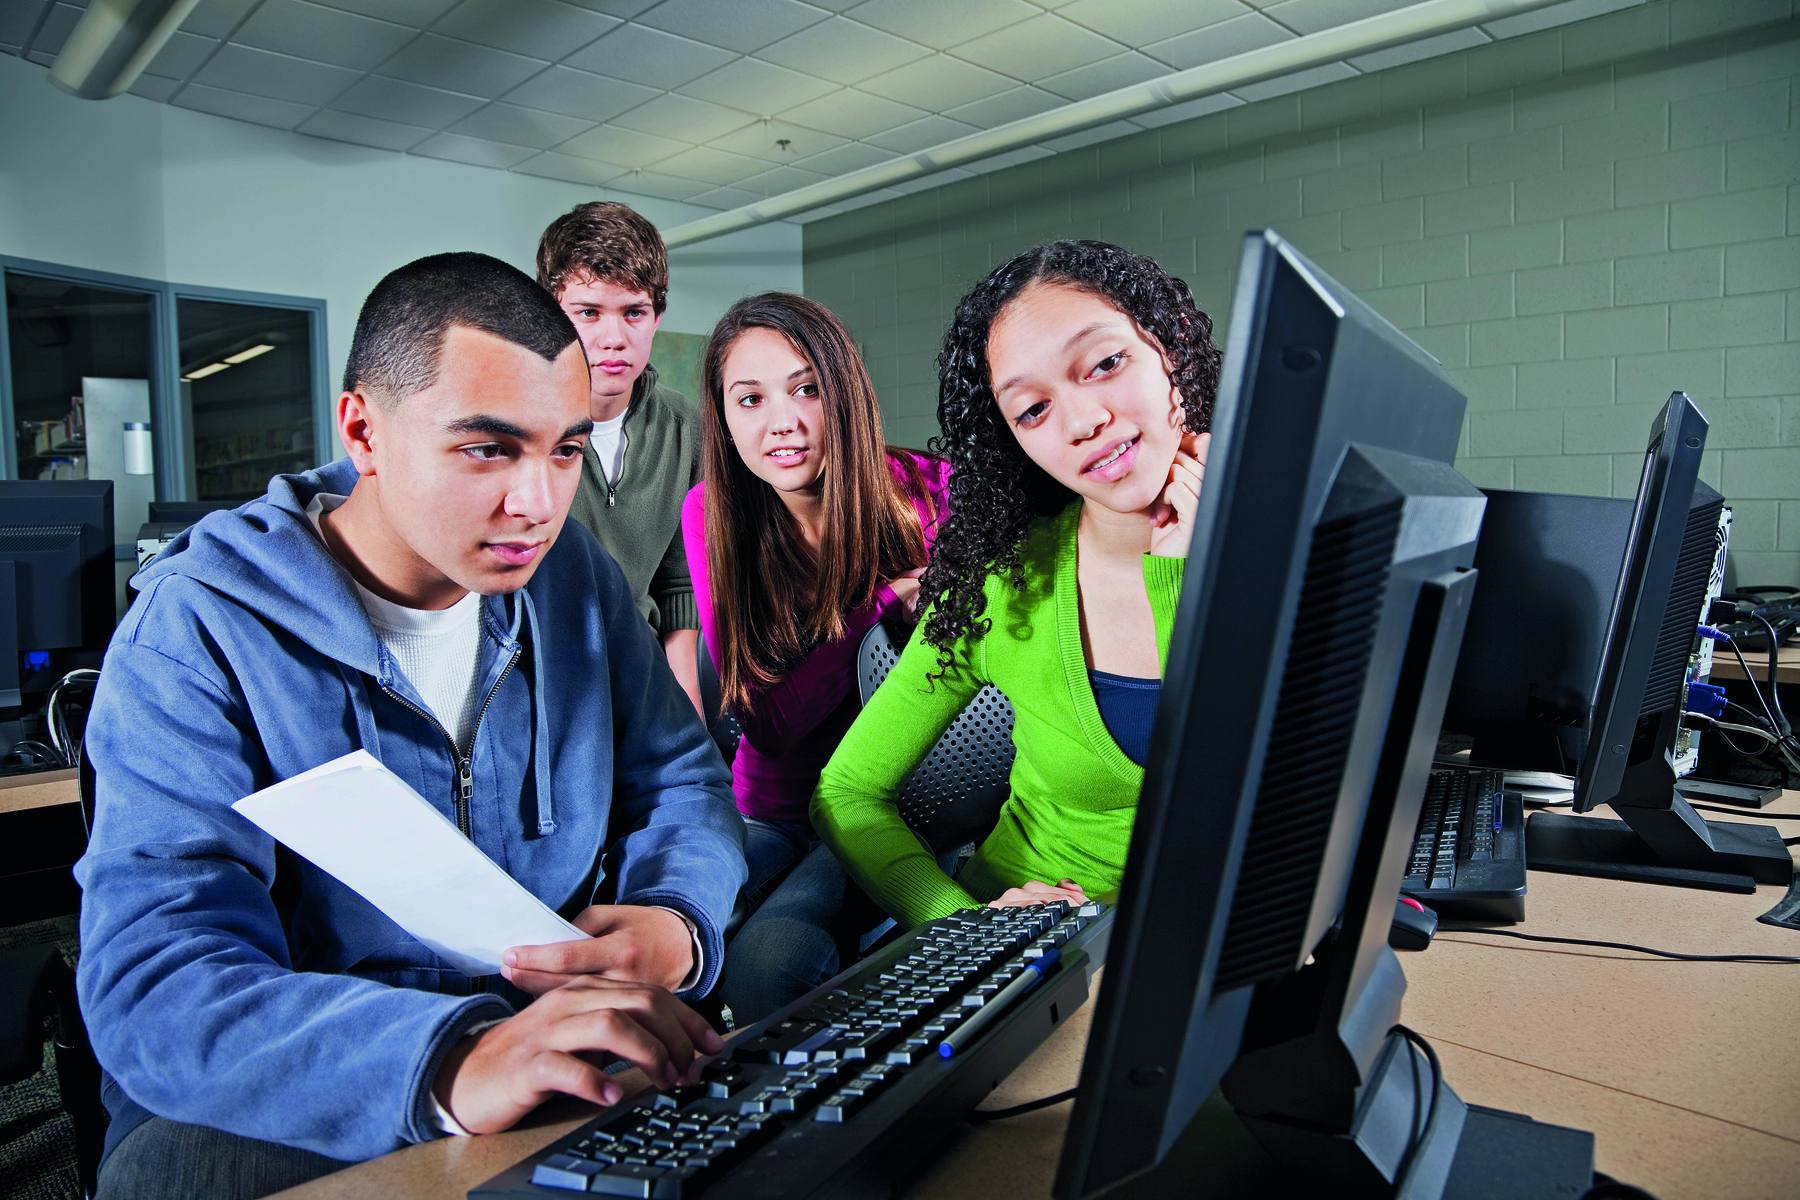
[[566, 1171]]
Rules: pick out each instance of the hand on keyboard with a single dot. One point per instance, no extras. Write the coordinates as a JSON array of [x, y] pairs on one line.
[[493, 1078], [1040, 893]]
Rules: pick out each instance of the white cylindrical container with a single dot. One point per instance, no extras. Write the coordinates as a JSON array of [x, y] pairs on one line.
[[140, 455]]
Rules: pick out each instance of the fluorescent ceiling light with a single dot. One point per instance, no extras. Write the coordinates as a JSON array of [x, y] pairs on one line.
[[203, 372], [113, 43], [247, 355]]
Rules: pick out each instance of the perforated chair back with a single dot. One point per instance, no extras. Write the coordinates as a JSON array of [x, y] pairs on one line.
[[720, 723], [953, 798]]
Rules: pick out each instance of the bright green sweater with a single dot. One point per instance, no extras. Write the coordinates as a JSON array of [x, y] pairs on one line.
[[1074, 792]]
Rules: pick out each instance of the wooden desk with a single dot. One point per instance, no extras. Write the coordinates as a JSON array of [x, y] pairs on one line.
[[20, 792], [1787, 667], [1687, 1073]]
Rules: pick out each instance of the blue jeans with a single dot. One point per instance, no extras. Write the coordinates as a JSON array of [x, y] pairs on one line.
[[788, 944], [169, 1160]]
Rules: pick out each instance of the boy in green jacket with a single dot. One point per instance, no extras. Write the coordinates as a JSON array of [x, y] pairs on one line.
[[609, 271]]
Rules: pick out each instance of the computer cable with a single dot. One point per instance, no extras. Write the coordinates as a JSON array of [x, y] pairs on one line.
[[1781, 721], [1539, 937], [981, 1116], [1409, 1163]]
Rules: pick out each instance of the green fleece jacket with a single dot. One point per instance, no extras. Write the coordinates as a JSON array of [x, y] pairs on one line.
[[638, 519], [1074, 792]]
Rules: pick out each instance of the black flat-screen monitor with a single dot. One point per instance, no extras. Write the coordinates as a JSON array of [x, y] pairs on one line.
[[1324, 599], [56, 582], [1524, 686], [1640, 695]]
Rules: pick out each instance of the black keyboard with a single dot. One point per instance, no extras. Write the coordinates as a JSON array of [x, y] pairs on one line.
[[840, 1093], [1468, 854]]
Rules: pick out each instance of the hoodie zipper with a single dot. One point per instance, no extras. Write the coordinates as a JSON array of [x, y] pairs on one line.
[[465, 772]]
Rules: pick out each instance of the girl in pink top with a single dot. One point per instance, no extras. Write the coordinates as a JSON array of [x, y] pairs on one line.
[[807, 530]]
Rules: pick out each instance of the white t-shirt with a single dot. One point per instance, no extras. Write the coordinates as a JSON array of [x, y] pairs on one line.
[[608, 444], [438, 650]]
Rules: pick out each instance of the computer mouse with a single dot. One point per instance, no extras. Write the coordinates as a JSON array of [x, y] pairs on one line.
[[1414, 925]]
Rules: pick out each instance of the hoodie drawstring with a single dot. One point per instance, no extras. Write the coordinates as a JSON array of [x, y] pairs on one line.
[[540, 733]]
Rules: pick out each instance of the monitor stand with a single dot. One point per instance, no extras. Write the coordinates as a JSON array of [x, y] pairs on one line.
[[1669, 845]]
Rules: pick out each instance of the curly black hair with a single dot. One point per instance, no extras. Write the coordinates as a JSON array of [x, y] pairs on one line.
[[996, 492]]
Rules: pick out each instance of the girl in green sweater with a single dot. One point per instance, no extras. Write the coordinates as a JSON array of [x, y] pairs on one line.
[[1076, 387]]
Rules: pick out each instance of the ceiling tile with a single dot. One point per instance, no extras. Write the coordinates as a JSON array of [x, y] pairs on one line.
[[408, 103], [757, 87], [57, 27], [362, 131], [458, 148], [17, 19], [521, 126], [741, 25], [259, 73], [1251, 32], [711, 166], [417, 13], [853, 114], [1140, 22], [1560, 14], [550, 165], [539, 28], [726, 197], [1087, 137], [1109, 74], [1299, 81], [1310, 16], [917, 135], [842, 51], [1187, 109], [258, 110], [1044, 45], [1007, 106], [781, 179], [941, 24], [461, 66], [684, 117], [650, 183], [609, 143], [649, 57], [217, 18], [762, 139], [623, 9], [851, 156], [1431, 47], [938, 82], [579, 94], [154, 87], [322, 34], [182, 56]]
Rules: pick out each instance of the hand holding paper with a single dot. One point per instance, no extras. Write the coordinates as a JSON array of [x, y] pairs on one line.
[[361, 822]]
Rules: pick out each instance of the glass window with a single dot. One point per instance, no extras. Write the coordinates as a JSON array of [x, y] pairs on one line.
[[246, 393]]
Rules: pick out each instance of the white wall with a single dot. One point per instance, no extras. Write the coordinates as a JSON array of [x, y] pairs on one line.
[[140, 188]]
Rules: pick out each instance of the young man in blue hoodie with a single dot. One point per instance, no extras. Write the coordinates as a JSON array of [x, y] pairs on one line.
[[259, 1023]]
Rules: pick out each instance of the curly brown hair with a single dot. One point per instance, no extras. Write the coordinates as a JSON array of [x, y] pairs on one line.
[[996, 492]]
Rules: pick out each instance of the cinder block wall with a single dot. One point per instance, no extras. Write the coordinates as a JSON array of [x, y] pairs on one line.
[[1575, 222]]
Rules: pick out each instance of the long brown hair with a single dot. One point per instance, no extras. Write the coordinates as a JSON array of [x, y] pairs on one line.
[[773, 598]]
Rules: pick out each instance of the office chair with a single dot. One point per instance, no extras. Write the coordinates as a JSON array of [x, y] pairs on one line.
[[720, 723], [35, 984], [953, 798]]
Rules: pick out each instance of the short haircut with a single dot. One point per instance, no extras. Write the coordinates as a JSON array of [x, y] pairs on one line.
[[400, 331], [610, 242]]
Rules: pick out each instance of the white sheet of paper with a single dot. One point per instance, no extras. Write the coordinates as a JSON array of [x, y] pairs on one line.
[[361, 822]]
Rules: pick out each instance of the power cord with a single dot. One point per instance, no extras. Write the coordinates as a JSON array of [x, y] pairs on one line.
[[981, 1116], [1410, 1163], [1563, 941]]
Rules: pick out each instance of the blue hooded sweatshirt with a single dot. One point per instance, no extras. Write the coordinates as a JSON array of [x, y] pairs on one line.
[[228, 982]]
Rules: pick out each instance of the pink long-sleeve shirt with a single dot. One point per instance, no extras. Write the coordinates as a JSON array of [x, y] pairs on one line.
[[797, 724]]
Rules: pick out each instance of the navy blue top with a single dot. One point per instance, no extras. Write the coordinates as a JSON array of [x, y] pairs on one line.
[[1128, 706]]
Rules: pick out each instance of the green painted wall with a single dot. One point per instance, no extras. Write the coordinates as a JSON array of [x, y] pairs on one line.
[[677, 358], [1575, 222]]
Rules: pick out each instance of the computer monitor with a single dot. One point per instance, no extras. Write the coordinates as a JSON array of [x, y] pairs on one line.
[[1524, 686], [1325, 593], [1640, 696], [56, 584]]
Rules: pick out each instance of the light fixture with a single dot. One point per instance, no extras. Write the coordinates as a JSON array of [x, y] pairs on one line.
[[203, 372], [113, 43], [247, 355]]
